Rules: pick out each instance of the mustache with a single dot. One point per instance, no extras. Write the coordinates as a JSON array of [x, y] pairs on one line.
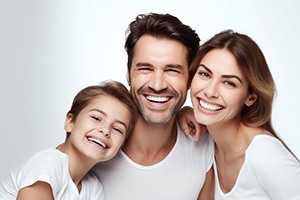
[[166, 91]]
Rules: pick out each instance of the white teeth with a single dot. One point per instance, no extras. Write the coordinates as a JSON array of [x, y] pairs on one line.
[[97, 141], [209, 106], [158, 99]]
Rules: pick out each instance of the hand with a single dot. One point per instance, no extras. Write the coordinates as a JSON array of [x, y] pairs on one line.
[[189, 125]]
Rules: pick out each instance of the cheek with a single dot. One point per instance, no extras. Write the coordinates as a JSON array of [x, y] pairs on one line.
[[119, 140], [196, 85]]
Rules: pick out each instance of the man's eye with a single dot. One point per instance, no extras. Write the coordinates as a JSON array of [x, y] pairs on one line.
[[144, 69], [173, 70]]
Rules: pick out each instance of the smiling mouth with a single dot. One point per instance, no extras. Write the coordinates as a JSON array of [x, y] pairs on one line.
[[210, 107], [97, 141], [158, 99]]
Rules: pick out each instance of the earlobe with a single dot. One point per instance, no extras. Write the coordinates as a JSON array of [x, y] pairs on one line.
[[251, 99]]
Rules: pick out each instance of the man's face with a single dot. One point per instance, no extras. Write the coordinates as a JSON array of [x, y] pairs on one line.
[[158, 78]]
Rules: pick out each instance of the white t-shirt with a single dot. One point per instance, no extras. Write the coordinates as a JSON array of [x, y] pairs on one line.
[[51, 166], [179, 176], [269, 172]]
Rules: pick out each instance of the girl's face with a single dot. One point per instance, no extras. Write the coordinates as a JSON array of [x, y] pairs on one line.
[[219, 90], [99, 130]]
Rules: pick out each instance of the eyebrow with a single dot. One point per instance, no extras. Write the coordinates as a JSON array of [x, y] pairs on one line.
[[224, 76], [103, 113]]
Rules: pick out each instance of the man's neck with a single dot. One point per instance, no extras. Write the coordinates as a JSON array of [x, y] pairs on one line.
[[149, 144]]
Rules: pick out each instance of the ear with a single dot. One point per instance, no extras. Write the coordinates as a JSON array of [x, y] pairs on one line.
[[251, 99], [69, 123], [128, 78]]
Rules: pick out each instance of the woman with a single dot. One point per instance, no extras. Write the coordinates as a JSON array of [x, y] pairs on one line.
[[232, 92]]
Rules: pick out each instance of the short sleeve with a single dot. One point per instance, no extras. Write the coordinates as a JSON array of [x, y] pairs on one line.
[[274, 168], [48, 166]]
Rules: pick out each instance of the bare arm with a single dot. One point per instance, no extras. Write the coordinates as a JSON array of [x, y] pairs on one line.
[[37, 191], [188, 123], [207, 191]]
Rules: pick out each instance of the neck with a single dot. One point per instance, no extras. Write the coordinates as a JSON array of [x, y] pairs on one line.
[[150, 143], [226, 136]]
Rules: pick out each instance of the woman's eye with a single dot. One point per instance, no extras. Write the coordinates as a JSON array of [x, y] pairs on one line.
[[229, 83], [203, 73]]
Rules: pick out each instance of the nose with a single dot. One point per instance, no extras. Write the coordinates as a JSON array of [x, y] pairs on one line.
[[211, 90], [158, 81], [104, 129]]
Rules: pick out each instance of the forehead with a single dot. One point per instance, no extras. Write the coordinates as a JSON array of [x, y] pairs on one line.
[[160, 50], [111, 106], [222, 61]]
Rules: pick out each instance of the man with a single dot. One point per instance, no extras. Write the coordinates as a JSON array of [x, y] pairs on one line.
[[158, 161]]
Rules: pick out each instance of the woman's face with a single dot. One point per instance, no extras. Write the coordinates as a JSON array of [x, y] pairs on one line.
[[219, 90]]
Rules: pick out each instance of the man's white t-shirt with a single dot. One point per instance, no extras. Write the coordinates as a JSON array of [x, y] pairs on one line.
[[180, 176], [269, 172], [51, 166]]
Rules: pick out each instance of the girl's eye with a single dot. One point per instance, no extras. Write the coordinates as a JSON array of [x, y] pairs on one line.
[[118, 130], [96, 118]]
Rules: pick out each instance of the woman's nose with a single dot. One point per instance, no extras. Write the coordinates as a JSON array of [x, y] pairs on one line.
[[211, 90]]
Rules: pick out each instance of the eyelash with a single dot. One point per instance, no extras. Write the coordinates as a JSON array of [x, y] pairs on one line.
[[230, 83], [96, 118], [204, 74], [118, 130]]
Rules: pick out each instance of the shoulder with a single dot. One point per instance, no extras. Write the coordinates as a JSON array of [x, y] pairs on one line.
[[49, 157], [273, 166], [264, 147], [49, 165]]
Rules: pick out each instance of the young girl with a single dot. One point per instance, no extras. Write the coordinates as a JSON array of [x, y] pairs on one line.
[[232, 92], [97, 124]]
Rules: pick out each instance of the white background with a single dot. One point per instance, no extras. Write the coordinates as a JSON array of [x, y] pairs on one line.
[[50, 49]]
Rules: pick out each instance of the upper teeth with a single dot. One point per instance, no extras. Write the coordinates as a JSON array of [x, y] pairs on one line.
[[157, 99], [209, 106], [97, 141]]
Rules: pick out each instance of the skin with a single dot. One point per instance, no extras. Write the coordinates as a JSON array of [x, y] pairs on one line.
[[158, 80], [104, 120], [219, 91]]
